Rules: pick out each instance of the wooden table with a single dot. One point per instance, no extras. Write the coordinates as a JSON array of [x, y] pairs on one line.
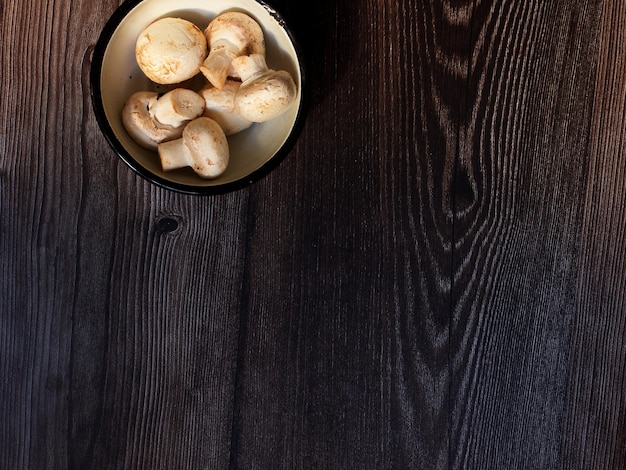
[[434, 278]]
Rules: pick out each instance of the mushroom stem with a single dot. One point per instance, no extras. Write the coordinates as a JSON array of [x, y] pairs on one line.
[[217, 65], [248, 67], [177, 107], [174, 154]]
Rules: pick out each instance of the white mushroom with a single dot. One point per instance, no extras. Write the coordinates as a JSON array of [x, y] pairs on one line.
[[264, 93], [171, 50], [177, 107], [139, 123], [230, 35], [150, 119], [203, 147], [220, 106]]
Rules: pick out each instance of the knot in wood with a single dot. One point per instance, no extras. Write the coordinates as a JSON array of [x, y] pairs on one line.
[[166, 225]]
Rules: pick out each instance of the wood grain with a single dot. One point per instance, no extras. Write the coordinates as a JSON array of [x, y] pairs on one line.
[[521, 182], [361, 261], [595, 421], [171, 335], [309, 390], [40, 172], [424, 88], [433, 278], [121, 335]]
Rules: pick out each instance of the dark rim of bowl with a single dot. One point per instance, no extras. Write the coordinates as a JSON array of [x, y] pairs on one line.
[[98, 107]]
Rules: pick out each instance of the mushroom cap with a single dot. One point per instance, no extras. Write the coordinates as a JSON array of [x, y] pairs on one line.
[[139, 124], [238, 29], [170, 50], [220, 106], [266, 96], [229, 35], [207, 145]]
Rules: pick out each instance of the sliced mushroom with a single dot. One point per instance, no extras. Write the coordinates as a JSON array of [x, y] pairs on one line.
[[230, 35], [171, 50], [177, 107], [220, 106], [139, 124], [264, 93], [203, 147]]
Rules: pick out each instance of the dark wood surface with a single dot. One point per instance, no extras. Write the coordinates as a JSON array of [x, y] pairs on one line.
[[434, 278]]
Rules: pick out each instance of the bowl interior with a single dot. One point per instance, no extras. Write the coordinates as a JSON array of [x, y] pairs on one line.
[[120, 77]]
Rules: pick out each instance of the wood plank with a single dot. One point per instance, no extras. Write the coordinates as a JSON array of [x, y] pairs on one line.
[[119, 335], [595, 422], [171, 329], [344, 359], [425, 92], [305, 397], [520, 188], [40, 170]]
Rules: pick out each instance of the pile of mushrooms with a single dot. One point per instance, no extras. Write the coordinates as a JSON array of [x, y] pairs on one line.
[[189, 127]]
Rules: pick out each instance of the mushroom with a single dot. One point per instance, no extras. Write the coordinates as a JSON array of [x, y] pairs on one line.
[[139, 123], [264, 93], [170, 50], [229, 35], [150, 120], [220, 106], [203, 147], [177, 107]]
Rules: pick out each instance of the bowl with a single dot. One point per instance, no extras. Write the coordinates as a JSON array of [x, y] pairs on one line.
[[115, 76]]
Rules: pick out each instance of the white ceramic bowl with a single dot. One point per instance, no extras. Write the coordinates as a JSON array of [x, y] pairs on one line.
[[115, 76]]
